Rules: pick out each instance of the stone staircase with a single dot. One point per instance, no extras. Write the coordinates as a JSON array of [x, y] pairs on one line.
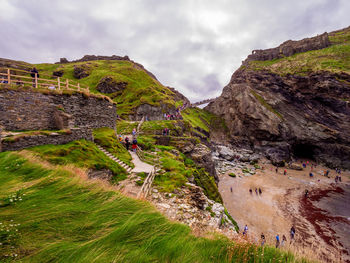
[[111, 156]]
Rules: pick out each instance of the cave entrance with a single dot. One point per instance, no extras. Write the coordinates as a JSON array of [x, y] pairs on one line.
[[304, 151]]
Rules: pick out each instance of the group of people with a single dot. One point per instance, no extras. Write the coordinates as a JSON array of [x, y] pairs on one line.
[[166, 131], [258, 191], [176, 116], [279, 241], [127, 142]]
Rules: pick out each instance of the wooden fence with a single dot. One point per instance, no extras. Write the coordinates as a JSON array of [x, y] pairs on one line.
[[22, 77]]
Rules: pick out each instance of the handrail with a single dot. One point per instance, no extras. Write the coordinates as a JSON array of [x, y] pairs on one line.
[[8, 78]]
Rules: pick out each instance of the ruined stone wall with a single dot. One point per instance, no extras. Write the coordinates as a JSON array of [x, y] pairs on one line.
[[53, 138], [290, 48], [27, 110]]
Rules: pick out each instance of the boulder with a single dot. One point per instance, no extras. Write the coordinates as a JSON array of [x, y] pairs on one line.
[[295, 166], [201, 155], [58, 73], [81, 71], [109, 85], [226, 153]]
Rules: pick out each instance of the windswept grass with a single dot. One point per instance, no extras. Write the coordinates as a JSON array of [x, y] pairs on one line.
[[64, 218], [82, 154]]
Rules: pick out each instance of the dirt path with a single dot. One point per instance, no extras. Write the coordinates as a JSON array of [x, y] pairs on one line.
[[280, 206]]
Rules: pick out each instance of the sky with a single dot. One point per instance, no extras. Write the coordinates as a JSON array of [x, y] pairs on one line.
[[194, 46]]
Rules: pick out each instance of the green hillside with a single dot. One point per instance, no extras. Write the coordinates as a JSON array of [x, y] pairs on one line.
[[140, 89], [53, 214], [335, 58]]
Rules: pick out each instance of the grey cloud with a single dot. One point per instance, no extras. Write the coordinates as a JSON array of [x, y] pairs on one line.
[[191, 45]]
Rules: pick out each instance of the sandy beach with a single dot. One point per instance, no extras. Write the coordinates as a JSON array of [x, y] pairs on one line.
[[322, 220]]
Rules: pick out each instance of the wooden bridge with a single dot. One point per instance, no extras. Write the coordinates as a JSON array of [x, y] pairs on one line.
[[202, 102]]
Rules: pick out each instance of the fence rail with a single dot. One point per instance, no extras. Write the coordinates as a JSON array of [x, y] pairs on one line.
[[20, 77]]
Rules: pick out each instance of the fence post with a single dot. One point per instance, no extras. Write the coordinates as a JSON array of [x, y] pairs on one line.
[[78, 87], [58, 83], [36, 80], [8, 76], [67, 84]]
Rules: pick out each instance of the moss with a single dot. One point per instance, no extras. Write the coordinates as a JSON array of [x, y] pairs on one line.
[[232, 175]]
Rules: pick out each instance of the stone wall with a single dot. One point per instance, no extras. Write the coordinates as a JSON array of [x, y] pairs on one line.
[[53, 138], [27, 110], [289, 48]]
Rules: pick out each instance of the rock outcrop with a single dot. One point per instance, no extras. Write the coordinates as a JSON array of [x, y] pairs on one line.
[[304, 113], [289, 48], [81, 71], [109, 85], [285, 116]]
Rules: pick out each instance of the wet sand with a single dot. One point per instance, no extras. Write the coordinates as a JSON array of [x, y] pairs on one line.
[[321, 223]]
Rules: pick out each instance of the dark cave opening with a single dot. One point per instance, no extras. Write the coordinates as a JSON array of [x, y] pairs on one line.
[[304, 151]]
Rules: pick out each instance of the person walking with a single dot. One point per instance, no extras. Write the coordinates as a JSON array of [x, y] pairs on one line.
[[292, 233], [284, 240], [134, 145], [250, 191], [260, 192], [277, 241], [245, 232], [263, 240], [285, 172], [134, 133], [127, 143], [231, 189], [256, 191]]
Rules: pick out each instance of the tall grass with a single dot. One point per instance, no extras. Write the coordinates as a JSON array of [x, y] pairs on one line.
[[62, 218]]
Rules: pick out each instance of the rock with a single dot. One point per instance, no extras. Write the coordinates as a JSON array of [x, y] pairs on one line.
[[104, 174], [81, 71], [226, 153], [285, 116], [108, 85], [201, 155], [198, 197], [163, 205], [290, 47], [295, 166], [63, 60], [58, 73]]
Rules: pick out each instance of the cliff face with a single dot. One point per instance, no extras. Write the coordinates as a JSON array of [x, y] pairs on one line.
[[289, 115]]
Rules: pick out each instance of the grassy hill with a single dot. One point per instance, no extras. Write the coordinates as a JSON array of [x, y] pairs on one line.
[[53, 214], [141, 88], [335, 58]]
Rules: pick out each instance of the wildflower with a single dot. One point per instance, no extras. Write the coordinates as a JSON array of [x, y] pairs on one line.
[[11, 200]]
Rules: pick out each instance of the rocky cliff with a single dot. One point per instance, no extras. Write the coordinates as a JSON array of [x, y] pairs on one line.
[[298, 110]]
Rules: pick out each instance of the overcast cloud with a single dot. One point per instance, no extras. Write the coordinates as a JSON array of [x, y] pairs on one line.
[[194, 46]]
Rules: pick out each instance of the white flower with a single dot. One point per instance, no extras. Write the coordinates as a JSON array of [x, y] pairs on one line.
[[11, 200]]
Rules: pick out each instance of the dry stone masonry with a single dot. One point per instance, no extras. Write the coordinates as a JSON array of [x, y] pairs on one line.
[[31, 111]]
